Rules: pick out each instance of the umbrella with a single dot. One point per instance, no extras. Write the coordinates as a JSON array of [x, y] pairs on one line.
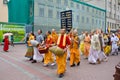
[[7, 34]]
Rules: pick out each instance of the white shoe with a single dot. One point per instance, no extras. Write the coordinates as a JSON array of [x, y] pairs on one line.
[[45, 65], [53, 64], [106, 59]]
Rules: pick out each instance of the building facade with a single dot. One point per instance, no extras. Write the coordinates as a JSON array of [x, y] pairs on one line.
[[84, 16], [3, 12], [17, 11], [113, 11]]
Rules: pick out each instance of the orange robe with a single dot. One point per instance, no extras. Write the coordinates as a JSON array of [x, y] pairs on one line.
[[74, 51], [54, 37], [48, 58], [86, 46], [62, 42]]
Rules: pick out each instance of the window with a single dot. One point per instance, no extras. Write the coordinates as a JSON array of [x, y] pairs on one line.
[[58, 15], [96, 21], [110, 3], [115, 26], [77, 6], [58, 1], [41, 12], [93, 10], [87, 20], [99, 12], [92, 21], [83, 7], [50, 13], [87, 9], [96, 11], [66, 2], [50, 0], [108, 24], [82, 19], [72, 5], [110, 14], [118, 8], [114, 15], [77, 18], [99, 22], [114, 7], [103, 23]]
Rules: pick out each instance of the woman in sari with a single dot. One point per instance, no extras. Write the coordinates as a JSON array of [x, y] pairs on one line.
[[30, 51]]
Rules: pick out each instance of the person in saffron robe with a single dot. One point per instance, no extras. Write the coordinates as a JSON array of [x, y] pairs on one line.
[[107, 48], [86, 45], [82, 36], [48, 57], [62, 42], [70, 37], [74, 50], [54, 36], [54, 42], [6, 44]]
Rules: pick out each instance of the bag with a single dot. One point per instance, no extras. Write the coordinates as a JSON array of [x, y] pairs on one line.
[[34, 43], [57, 50]]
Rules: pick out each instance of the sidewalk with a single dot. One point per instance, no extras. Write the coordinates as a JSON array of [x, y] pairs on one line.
[[14, 66]]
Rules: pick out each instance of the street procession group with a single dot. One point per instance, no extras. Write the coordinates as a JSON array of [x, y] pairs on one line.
[[54, 48]]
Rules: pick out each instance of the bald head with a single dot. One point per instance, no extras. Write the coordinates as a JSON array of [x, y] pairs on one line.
[[53, 31], [62, 31], [75, 32]]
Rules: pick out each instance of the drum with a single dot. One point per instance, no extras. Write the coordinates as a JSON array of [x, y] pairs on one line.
[[57, 50], [43, 50]]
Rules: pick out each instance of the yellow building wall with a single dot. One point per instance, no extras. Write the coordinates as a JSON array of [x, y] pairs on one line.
[[3, 12]]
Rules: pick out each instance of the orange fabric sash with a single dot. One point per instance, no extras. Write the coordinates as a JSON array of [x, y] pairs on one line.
[[64, 40]]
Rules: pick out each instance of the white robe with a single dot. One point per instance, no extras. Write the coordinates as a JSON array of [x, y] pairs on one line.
[[95, 50], [114, 41], [93, 53], [37, 56]]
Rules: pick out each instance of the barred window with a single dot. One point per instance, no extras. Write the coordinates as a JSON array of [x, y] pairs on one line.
[[87, 20], [50, 13], [72, 5], [92, 21], [66, 2], [77, 18], [58, 1], [83, 19], [77, 6], [87, 9], [50, 0], [41, 12], [83, 7], [58, 15]]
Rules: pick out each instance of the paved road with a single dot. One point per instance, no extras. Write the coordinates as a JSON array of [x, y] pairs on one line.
[[14, 66]]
